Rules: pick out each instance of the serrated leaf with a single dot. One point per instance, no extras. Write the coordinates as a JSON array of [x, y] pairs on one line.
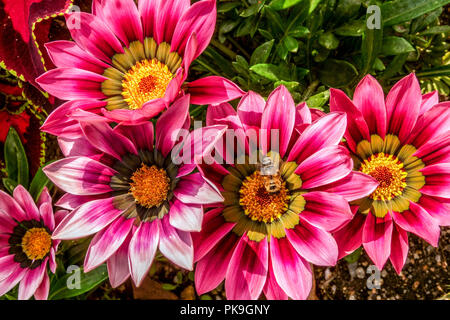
[[393, 46], [88, 281], [16, 159], [262, 53]]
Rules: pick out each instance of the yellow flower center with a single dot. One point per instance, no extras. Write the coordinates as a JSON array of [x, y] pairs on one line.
[[388, 171], [36, 243], [258, 203], [150, 186], [145, 81]]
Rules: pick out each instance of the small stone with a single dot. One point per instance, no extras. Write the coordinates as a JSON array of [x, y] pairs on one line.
[[416, 285], [438, 258], [352, 297], [188, 293], [384, 273], [352, 269], [360, 273], [328, 274]]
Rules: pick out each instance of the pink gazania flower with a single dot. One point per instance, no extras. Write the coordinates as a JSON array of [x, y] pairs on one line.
[[129, 62], [266, 232], [123, 186], [26, 246], [403, 142]]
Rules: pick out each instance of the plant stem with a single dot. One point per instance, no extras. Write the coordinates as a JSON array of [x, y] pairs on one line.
[[230, 53], [207, 67], [237, 45]]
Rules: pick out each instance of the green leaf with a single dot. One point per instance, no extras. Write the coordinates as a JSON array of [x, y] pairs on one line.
[[328, 40], [299, 32], [395, 12], [228, 6], [319, 100], [354, 256], [393, 46], [250, 11], [16, 159], [372, 43], [9, 184], [267, 70], [291, 44], [205, 297], [88, 281], [337, 73], [354, 28], [39, 182], [262, 53], [436, 30], [169, 286], [283, 4]]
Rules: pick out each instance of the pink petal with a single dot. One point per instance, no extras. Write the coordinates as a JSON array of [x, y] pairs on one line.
[[377, 235], [102, 137], [24, 199], [72, 83], [326, 166], [46, 212], [186, 217], [399, 248], [176, 245], [369, 99], [247, 271], [79, 147], [87, 219], [324, 132], [31, 281], [80, 175], [349, 237], [142, 249], [428, 101], [211, 269], [194, 189], [272, 290], [141, 136], [169, 125], [147, 10], [118, 269], [67, 54], [7, 224], [92, 35], [250, 110], [200, 19], [44, 198], [313, 244], [122, 17], [41, 292], [10, 282], [437, 180], [326, 211], [403, 106], [214, 229], [292, 272], [278, 115], [59, 123], [166, 16], [107, 242], [11, 207], [7, 265], [213, 90], [438, 208], [436, 150], [357, 128], [354, 186], [419, 222], [70, 201]]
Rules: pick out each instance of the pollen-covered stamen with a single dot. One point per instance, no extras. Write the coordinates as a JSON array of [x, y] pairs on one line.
[[259, 204], [145, 81], [36, 243], [150, 186], [388, 171]]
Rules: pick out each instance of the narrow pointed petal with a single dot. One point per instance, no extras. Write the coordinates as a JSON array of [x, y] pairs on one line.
[[349, 237], [354, 186], [326, 166], [107, 242], [292, 272], [176, 245], [72, 83], [399, 248], [403, 106], [272, 290], [46, 214], [10, 282], [438, 208], [279, 115], [369, 99], [11, 207], [324, 132], [435, 151], [357, 128], [326, 211], [71, 202], [24, 199], [313, 244], [195, 189], [31, 281], [41, 292], [247, 271], [167, 15], [419, 222], [118, 268], [211, 269], [437, 180], [377, 237], [141, 135], [186, 217], [80, 175], [213, 90], [428, 101], [86, 220], [250, 110], [142, 249]]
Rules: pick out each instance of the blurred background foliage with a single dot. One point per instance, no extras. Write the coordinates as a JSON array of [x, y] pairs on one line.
[[311, 45]]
